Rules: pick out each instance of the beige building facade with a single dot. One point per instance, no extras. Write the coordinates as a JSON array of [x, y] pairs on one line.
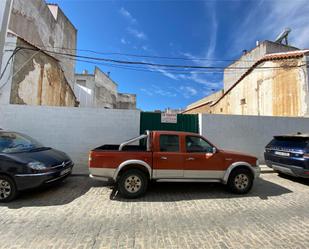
[[276, 84]]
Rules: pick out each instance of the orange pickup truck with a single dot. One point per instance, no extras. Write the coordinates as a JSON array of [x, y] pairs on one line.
[[171, 157]]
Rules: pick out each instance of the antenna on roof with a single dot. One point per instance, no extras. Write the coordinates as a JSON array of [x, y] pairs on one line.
[[283, 36]]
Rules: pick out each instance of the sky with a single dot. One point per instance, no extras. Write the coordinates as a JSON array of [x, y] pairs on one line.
[[199, 33]]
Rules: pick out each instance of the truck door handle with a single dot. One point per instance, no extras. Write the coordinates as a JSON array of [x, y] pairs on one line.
[[190, 158], [163, 157]]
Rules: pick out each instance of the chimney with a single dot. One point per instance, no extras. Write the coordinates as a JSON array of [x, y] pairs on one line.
[[85, 71], [257, 43], [108, 74]]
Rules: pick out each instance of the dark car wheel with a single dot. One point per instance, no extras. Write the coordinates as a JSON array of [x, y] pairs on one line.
[[240, 181], [8, 189], [132, 184]]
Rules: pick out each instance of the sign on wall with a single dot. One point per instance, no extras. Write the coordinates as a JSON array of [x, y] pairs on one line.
[[169, 118]]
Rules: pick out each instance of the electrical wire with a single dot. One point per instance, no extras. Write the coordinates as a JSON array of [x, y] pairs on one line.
[[15, 51], [140, 56], [141, 63], [18, 70]]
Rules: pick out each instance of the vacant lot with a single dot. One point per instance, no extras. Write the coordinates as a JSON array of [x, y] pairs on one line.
[[82, 213]]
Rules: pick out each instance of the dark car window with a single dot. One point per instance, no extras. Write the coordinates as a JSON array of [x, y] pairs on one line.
[[289, 142], [169, 143], [197, 144], [11, 142]]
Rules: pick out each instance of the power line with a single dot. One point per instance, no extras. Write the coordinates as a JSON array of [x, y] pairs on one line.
[[141, 56], [155, 65], [16, 50], [20, 68]]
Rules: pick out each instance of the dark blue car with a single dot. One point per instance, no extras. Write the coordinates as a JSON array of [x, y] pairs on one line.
[[289, 154], [25, 164]]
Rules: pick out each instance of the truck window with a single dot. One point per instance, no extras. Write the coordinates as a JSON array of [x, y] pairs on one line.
[[169, 143], [197, 144]]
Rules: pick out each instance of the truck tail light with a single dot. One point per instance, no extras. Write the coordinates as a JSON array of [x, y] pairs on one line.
[[90, 161]]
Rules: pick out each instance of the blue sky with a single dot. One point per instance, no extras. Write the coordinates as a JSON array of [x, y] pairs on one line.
[[217, 31]]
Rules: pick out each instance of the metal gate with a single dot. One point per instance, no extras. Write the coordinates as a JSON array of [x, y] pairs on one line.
[[184, 122]]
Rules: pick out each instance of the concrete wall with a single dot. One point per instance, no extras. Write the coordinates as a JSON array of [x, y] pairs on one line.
[[99, 90], [6, 81], [72, 130], [34, 21], [248, 134], [5, 6], [126, 101], [248, 59], [281, 89]]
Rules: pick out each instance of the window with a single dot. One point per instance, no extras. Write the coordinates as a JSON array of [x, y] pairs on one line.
[[243, 101], [169, 143], [197, 144]]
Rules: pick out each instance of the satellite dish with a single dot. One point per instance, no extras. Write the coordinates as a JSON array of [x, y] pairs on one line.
[[283, 36]]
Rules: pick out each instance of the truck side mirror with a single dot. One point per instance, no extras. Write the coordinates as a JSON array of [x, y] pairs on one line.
[[214, 150]]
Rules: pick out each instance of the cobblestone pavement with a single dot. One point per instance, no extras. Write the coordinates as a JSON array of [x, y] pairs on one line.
[[83, 213]]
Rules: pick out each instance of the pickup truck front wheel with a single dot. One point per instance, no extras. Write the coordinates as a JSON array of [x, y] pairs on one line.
[[132, 184], [240, 181]]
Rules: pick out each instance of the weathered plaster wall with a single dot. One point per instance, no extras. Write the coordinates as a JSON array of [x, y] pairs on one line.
[[248, 59], [203, 105], [39, 80], [270, 91], [33, 21]]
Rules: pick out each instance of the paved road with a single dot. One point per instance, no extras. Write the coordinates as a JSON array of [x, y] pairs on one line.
[[82, 213]]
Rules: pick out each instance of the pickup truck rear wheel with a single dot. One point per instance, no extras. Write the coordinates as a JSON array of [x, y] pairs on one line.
[[132, 184], [240, 181]]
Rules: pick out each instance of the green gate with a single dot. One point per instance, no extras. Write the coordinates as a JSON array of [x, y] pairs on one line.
[[185, 122]]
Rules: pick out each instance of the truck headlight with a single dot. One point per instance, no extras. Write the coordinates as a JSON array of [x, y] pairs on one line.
[[37, 165]]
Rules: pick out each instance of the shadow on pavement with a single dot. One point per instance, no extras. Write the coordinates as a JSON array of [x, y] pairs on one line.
[[304, 181], [53, 195], [160, 192], [75, 187]]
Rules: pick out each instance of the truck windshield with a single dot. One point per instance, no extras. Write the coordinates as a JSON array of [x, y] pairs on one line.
[[12, 142]]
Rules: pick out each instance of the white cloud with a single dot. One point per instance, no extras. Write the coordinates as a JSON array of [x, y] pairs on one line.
[[125, 13], [149, 93], [262, 24], [123, 41], [211, 49], [188, 91], [156, 90], [164, 72], [137, 33]]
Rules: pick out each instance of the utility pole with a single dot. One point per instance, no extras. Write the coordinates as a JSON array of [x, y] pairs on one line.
[[5, 10]]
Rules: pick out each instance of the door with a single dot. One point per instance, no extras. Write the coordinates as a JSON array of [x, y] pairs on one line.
[[168, 161], [201, 161]]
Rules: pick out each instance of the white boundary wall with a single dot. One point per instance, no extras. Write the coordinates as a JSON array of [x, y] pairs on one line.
[[72, 130], [248, 134]]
